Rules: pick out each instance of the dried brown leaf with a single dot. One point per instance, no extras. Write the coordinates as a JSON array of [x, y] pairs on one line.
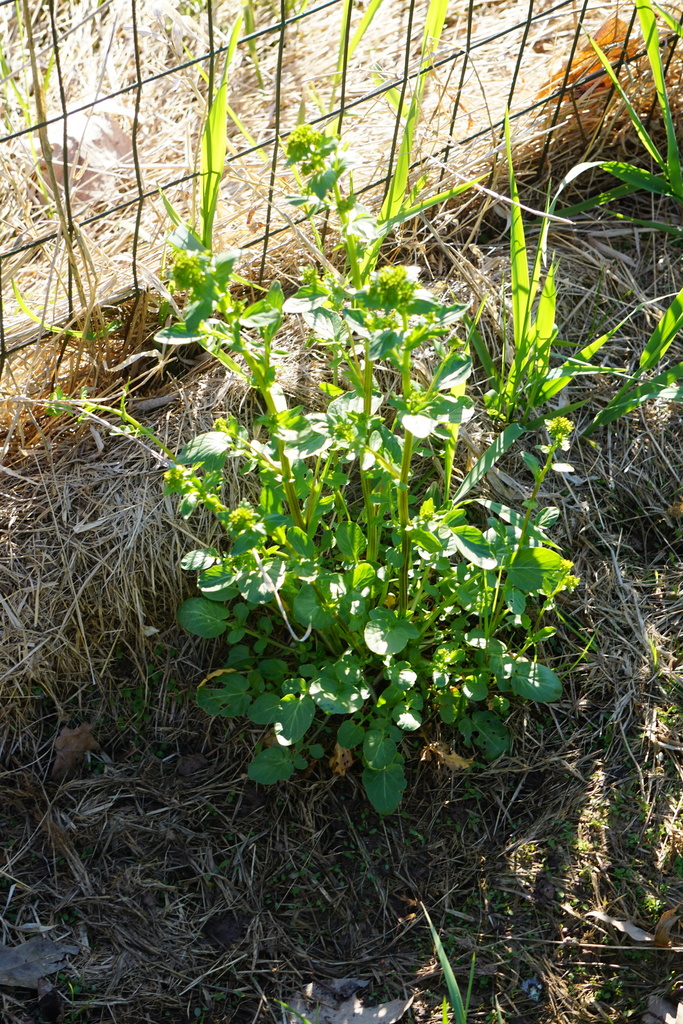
[[71, 747], [667, 921], [442, 754], [341, 760], [23, 966]]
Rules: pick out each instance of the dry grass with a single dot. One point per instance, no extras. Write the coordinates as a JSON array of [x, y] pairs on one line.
[[194, 895]]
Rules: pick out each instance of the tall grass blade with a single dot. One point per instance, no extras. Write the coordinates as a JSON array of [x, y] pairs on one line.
[[640, 128], [459, 1008], [631, 395], [648, 25], [487, 461], [214, 148]]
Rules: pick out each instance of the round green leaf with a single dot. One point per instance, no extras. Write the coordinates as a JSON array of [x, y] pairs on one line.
[[533, 567], [294, 716], [535, 681], [271, 765], [265, 708], [385, 633], [385, 788], [202, 617], [229, 701], [208, 450], [350, 735], [350, 541], [378, 750], [202, 558]]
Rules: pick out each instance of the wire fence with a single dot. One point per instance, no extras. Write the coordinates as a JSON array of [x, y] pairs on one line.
[[103, 110]]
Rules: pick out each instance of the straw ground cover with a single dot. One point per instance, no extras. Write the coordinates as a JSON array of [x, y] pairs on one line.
[[193, 894]]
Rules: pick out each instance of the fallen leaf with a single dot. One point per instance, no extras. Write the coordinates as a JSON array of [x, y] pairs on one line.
[[630, 929], [442, 754], [24, 965], [50, 1002], [71, 747], [612, 38], [334, 1003], [98, 154], [661, 1011], [667, 921], [341, 760]]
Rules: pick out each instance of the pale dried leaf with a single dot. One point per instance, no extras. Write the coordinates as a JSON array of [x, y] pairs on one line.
[[442, 753], [24, 965], [630, 929], [667, 921], [71, 747], [327, 1003], [341, 760], [661, 1011], [98, 154]]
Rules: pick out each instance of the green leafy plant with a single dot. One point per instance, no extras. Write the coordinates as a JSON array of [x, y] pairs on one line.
[[531, 372], [364, 590]]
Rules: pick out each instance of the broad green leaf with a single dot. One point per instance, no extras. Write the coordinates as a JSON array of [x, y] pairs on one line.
[[294, 717], [208, 450], [334, 697], [488, 733], [202, 617], [386, 633], [229, 700], [475, 689], [453, 371], [308, 609], [260, 584], [217, 583], [272, 765], [535, 681], [532, 569], [427, 541], [385, 788], [378, 750], [201, 558], [301, 542], [350, 735], [265, 709], [350, 540], [474, 547], [406, 718]]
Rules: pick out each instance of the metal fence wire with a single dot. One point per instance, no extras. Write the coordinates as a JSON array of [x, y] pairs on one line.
[[103, 105]]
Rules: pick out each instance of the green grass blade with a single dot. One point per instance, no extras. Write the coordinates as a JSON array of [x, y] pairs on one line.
[[434, 22], [523, 286], [639, 178], [457, 1005], [483, 354], [648, 25], [487, 461], [629, 398], [663, 334], [640, 128], [214, 148]]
